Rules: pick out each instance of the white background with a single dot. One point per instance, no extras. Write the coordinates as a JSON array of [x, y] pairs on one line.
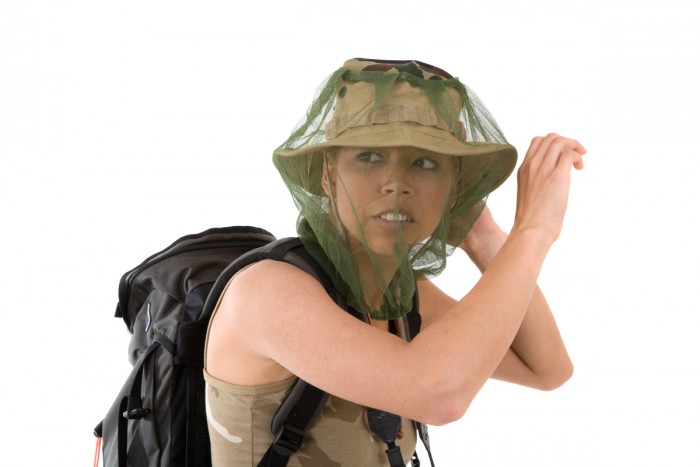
[[124, 125]]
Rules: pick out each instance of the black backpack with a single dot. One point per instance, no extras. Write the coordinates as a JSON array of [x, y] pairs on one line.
[[158, 417]]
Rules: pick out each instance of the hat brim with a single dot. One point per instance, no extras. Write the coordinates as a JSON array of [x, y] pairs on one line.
[[481, 157]]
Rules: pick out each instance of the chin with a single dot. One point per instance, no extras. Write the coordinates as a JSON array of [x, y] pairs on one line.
[[386, 247], [382, 244]]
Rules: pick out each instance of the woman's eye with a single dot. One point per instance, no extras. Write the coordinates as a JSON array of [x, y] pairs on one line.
[[425, 163], [369, 156]]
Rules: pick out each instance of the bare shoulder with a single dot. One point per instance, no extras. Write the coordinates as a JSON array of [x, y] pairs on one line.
[[270, 292], [262, 310]]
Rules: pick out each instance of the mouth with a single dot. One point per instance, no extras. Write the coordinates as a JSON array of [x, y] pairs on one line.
[[399, 217]]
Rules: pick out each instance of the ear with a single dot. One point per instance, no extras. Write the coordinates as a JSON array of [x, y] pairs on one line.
[[328, 177], [455, 181]]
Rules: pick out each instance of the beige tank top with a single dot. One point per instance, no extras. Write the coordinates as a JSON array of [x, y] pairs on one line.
[[239, 419]]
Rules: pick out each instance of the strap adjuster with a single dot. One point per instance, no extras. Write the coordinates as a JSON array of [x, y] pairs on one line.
[[394, 455], [135, 414], [288, 440]]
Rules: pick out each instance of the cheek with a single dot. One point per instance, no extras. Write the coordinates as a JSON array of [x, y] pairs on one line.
[[438, 191], [347, 199], [352, 188], [343, 204], [349, 206], [436, 200]]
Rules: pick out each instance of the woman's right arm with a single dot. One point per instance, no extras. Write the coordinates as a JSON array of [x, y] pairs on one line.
[[278, 316]]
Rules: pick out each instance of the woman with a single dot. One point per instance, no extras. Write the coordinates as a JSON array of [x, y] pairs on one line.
[[390, 170]]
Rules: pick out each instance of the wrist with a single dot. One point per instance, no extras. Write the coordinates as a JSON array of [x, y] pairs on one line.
[[539, 236], [535, 240], [482, 248]]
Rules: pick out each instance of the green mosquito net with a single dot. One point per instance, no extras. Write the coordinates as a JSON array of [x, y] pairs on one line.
[[389, 168]]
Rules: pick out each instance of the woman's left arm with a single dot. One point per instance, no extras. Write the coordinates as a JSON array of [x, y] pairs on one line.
[[537, 356]]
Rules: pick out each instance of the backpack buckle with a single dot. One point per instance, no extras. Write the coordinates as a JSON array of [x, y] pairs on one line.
[[135, 414], [288, 440]]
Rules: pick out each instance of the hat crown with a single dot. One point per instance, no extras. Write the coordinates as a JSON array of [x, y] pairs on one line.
[[373, 92], [416, 68]]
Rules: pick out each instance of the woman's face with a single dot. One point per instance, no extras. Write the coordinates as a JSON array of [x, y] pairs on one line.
[[383, 191]]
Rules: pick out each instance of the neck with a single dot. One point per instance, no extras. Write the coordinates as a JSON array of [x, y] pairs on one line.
[[374, 272]]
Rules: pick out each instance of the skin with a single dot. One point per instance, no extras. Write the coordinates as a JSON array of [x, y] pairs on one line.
[[501, 328]]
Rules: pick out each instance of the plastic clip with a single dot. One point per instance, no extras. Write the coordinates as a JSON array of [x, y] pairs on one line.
[[134, 414], [288, 440], [394, 455]]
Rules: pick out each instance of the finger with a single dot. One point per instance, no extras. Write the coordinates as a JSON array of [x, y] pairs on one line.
[[549, 149], [575, 146], [561, 146], [578, 147], [533, 148], [578, 163], [570, 158]]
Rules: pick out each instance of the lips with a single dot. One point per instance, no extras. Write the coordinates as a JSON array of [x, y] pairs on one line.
[[394, 216]]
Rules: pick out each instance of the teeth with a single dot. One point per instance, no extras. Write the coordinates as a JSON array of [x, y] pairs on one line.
[[392, 217]]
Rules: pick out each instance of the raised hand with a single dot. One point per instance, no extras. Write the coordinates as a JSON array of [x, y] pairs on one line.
[[543, 184]]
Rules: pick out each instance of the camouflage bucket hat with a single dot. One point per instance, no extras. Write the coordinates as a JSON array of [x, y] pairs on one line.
[[388, 103]]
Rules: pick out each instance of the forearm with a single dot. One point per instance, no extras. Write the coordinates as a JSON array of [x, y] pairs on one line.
[[538, 345], [468, 343], [540, 359]]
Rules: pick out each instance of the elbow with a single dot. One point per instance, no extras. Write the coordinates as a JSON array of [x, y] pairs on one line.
[[439, 411], [557, 379], [448, 411], [442, 402]]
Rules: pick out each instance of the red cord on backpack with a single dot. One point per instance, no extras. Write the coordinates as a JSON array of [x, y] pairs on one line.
[[98, 445]]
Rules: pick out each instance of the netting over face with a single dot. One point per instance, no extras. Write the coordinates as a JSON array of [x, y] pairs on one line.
[[390, 168]]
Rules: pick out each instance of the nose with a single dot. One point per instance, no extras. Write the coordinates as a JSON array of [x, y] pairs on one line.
[[396, 180], [395, 187]]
